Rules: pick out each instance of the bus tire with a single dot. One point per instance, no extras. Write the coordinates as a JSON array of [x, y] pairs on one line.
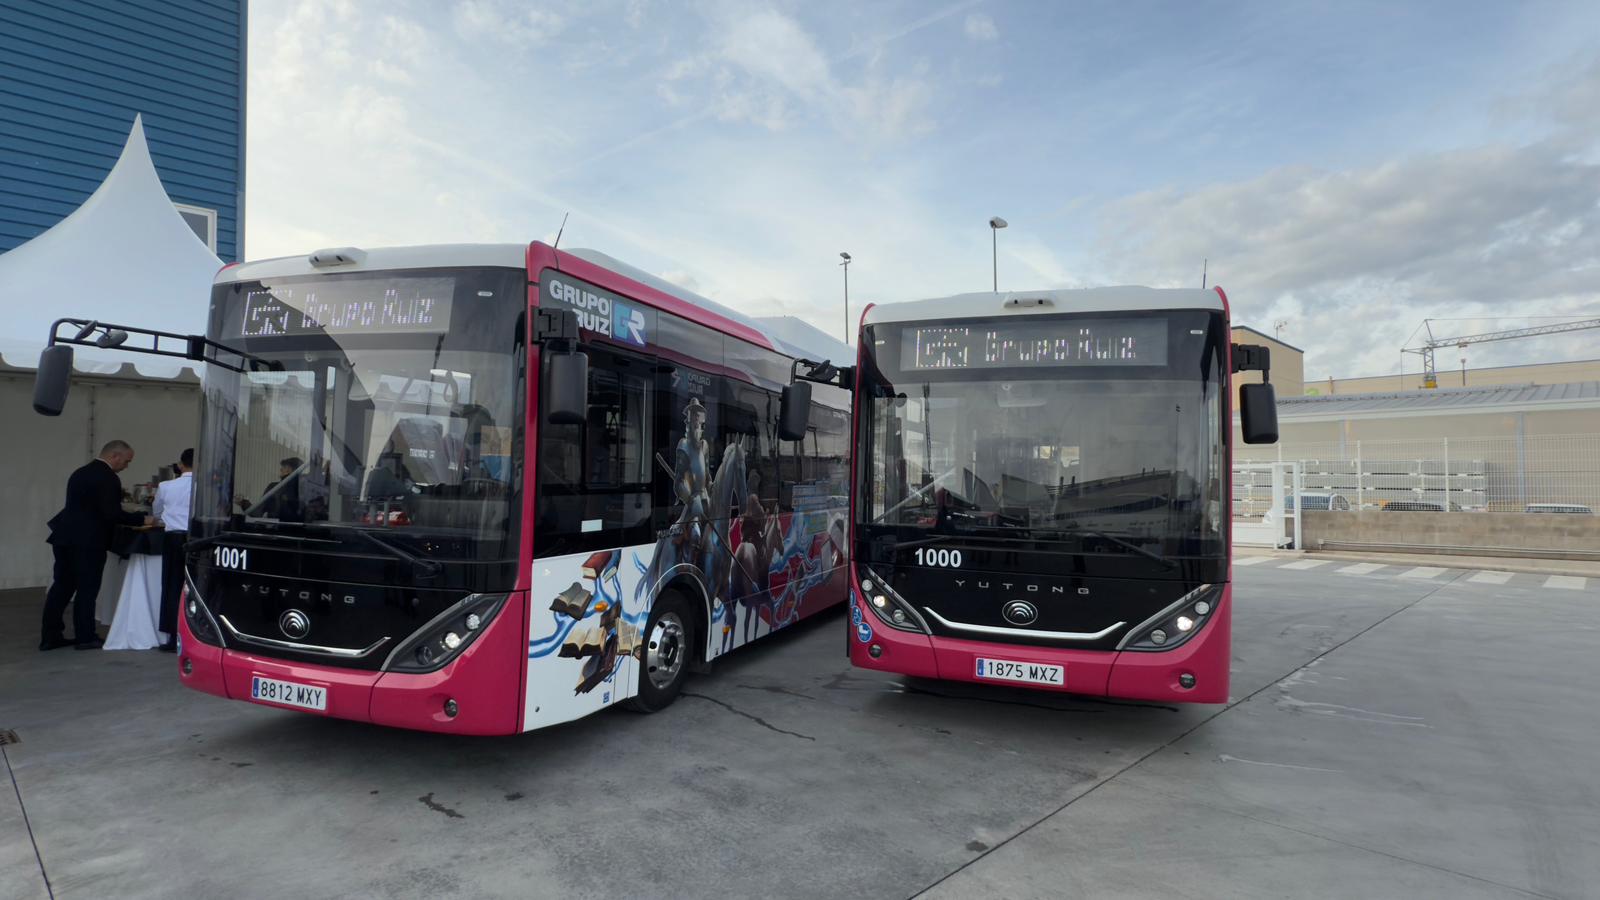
[[667, 644]]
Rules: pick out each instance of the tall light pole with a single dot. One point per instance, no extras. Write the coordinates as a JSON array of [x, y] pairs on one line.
[[846, 257], [995, 224]]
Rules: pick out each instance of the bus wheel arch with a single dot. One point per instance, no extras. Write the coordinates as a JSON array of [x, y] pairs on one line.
[[685, 580]]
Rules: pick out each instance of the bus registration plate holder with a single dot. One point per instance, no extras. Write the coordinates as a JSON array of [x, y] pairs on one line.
[[1023, 672], [288, 693]]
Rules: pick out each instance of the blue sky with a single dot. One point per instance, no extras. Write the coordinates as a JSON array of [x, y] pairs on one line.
[[1348, 168]]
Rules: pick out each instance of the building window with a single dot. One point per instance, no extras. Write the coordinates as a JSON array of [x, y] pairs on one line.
[[203, 221]]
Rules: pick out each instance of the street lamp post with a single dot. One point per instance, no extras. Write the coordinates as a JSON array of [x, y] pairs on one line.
[[846, 264], [995, 224]]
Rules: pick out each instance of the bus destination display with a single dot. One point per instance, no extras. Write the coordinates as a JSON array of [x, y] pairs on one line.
[[347, 306], [1035, 342]]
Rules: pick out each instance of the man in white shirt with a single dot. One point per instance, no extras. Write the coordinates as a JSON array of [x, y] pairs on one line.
[[171, 509]]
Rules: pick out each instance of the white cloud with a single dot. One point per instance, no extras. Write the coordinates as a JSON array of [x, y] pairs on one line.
[[980, 27], [1357, 258], [507, 22]]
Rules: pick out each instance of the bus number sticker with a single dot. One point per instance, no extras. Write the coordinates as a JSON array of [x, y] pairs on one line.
[[230, 558], [945, 559]]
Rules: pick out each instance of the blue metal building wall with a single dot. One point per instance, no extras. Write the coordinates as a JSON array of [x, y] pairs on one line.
[[73, 73]]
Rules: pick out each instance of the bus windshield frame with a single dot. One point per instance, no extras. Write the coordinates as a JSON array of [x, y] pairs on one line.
[[1087, 454], [369, 432]]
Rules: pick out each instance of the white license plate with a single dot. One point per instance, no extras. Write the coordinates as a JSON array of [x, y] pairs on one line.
[[1026, 673], [287, 693]]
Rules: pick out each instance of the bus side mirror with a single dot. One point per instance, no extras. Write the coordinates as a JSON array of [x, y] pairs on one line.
[[52, 380], [567, 396], [794, 411], [1258, 413]]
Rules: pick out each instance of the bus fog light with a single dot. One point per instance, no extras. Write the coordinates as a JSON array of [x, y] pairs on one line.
[[875, 651], [1187, 680], [880, 601], [473, 621], [451, 640], [1158, 636], [1185, 623], [1202, 608], [188, 666], [450, 708]]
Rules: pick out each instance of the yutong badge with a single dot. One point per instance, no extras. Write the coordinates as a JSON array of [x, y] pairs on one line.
[[598, 310]]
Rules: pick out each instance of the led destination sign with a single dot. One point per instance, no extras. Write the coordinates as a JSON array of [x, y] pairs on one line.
[[1035, 342], [349, 306]]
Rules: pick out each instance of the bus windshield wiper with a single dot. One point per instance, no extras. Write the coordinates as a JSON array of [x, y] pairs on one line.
[[422, 568], [1128, 544]]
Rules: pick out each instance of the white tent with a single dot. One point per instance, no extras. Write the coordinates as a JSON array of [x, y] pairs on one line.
[[125, 256]]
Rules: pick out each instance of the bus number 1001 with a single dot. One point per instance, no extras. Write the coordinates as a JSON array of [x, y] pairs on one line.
[[230, 558], [949, 559]]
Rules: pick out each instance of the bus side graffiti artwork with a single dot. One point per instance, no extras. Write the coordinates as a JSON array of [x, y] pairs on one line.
[[762, 568]]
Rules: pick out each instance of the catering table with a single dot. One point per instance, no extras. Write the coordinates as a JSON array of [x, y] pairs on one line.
[[137, 610]]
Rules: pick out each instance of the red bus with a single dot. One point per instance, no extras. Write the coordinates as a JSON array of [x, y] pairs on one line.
[[485, 489], [1041, 490]]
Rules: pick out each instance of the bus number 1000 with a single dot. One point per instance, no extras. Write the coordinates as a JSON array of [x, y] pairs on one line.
[[949, 559]]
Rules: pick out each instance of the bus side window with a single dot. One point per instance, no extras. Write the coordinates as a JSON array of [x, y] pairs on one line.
[[595, 478]]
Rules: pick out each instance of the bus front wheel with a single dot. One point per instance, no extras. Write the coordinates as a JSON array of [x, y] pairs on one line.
[[668, 641]]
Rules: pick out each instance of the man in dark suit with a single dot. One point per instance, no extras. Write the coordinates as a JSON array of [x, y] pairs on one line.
[[80, 535]]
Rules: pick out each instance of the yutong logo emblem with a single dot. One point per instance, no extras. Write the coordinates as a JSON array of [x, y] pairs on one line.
[[1020, 612], [294, 624], [599, 311]]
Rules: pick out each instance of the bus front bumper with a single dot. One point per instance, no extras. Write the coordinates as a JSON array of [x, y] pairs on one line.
[[484, 683], [1132, 675]]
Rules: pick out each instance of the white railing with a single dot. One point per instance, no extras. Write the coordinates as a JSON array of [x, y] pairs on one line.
[[1500, 474]]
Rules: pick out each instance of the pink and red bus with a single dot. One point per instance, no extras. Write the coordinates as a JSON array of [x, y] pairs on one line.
[[483, 489], [1041, 490]]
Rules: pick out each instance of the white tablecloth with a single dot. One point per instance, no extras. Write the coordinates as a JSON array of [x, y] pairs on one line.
[[138, 606], [105, 605]]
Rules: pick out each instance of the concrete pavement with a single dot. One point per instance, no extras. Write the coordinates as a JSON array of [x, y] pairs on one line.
[[1389, 737]]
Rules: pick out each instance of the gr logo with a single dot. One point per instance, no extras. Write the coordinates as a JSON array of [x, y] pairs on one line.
[[599, 310]]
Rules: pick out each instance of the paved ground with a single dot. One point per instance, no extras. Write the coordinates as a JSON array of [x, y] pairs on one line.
[[1393, 733]]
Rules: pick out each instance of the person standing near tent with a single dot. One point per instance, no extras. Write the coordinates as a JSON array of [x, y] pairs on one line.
[[80, 535], [172, 508]]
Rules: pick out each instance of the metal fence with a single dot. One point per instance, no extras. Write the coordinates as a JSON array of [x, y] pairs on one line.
[[1499, 474]]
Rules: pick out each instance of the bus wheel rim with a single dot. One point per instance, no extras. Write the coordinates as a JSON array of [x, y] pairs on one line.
[[663, 655]]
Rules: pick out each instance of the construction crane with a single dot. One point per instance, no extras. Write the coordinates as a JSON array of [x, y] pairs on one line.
[[1430, 375]]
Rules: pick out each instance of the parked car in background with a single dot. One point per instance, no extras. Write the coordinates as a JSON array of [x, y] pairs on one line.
[[1333, 502], [1418, 506], [1577, 509]]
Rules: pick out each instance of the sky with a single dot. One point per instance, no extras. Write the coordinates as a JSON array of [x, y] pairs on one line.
[[1343, 169]]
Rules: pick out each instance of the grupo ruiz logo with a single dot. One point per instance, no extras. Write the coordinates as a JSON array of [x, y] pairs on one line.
[[599, 311]]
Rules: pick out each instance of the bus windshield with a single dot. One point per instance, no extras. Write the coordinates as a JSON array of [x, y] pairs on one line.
[[1128, 457], [381, 410]]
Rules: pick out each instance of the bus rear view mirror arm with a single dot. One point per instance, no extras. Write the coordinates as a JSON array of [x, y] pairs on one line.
[[54, 377], [794, 406]]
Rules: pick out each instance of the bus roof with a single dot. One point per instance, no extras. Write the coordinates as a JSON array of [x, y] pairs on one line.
[[786, 334], [984, 304]]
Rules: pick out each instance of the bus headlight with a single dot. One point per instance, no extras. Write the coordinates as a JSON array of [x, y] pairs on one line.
[[1176, 624], [890, 608], [201, 624], [435, 644]]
